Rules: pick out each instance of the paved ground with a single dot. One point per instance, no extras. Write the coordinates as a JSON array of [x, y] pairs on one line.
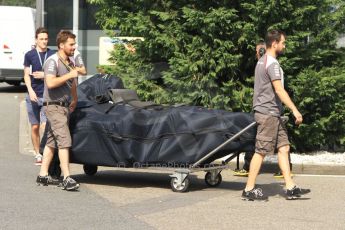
[[142, 199], [23, 205]]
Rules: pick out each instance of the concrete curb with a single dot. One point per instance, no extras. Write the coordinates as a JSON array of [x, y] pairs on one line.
[[25, 147], [268, 167], [25, 144]]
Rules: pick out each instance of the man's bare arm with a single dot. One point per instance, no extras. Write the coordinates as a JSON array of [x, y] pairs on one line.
[[81, 70], [74, 94], [74, 90], [38, 74], [52, 81], [27, 80], [285, 98]]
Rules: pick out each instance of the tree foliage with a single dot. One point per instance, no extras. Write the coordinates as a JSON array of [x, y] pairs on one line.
[[29, 3], [203, 52], [321, 99]]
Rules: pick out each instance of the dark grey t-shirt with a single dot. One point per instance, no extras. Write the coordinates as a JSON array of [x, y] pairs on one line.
[[54, 66], [265, 99]]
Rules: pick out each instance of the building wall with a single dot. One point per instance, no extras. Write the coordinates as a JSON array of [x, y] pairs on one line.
[[59, 15], [89, 48]]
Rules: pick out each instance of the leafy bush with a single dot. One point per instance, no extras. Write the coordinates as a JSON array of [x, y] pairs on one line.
[[203, 52], [321, 99]]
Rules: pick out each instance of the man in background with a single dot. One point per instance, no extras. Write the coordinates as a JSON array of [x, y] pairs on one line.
[[34, 81], [260, 50]]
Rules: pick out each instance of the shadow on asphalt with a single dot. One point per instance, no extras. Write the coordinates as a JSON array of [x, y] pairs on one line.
[[146, 179], [4, 88], [129, 179], [276, 189]]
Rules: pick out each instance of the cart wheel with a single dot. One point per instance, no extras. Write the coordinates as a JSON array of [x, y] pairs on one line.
[[179, 188], [213, 182], [90, 169]]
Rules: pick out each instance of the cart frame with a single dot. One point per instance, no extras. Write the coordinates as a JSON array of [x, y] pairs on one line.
[[179, 178]]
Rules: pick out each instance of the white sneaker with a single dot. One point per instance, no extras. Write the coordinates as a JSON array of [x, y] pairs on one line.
[[38, 159]]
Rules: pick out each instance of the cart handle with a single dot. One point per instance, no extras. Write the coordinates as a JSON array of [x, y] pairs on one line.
[[223, 144]]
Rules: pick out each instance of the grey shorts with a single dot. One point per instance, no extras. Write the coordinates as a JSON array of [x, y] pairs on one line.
[[35, 111], [58, 130], [271, 134]]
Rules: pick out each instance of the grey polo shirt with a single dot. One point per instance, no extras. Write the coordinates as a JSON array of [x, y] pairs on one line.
[[265, 100], [53, 66]]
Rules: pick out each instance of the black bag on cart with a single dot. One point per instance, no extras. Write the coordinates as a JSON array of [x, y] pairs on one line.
[[130, 133], [129, 137], [96, 88]]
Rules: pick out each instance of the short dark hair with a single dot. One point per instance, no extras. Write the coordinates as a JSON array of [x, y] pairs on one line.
[[273, 35], [260, 42], [62, 37], [41, 30]]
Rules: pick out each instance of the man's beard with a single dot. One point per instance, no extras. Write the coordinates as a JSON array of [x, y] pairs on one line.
[[279, 53], [70, 54]]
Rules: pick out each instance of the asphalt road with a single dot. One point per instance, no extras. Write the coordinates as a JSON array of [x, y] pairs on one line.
[[142, 199]]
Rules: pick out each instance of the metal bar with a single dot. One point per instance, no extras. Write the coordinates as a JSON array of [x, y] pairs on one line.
[[238, 162], [76, 18], [223, 144], [231, 156], [186, 170], [207, 169]]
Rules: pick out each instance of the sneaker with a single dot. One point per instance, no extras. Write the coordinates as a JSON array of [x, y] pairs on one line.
[[254, 194], [241, 172], [279, 175], [69, 184], [296, 192], [47, 180], [38, 159]]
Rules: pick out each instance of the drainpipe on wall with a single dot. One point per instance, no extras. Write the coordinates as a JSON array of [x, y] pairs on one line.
[[76, 18], [39, 19]]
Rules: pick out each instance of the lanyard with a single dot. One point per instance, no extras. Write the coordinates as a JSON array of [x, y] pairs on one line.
[[39, 56]]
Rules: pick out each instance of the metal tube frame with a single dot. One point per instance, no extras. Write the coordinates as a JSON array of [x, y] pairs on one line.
[[223, 144]]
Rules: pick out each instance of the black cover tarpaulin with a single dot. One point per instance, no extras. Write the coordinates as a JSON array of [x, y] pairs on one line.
[[122, 135]]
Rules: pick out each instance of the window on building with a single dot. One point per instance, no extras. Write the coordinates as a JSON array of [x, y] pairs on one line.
[[58, 16], [87, 20]]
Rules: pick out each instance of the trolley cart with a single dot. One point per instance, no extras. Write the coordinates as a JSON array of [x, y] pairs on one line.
[[179, 178]]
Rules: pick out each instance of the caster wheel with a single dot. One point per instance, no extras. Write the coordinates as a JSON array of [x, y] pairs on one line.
[[213, 182], [183, 187], [90, 169]]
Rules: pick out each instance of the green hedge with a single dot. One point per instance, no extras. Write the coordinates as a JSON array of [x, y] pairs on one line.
[[320, 96], [203, 53]]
